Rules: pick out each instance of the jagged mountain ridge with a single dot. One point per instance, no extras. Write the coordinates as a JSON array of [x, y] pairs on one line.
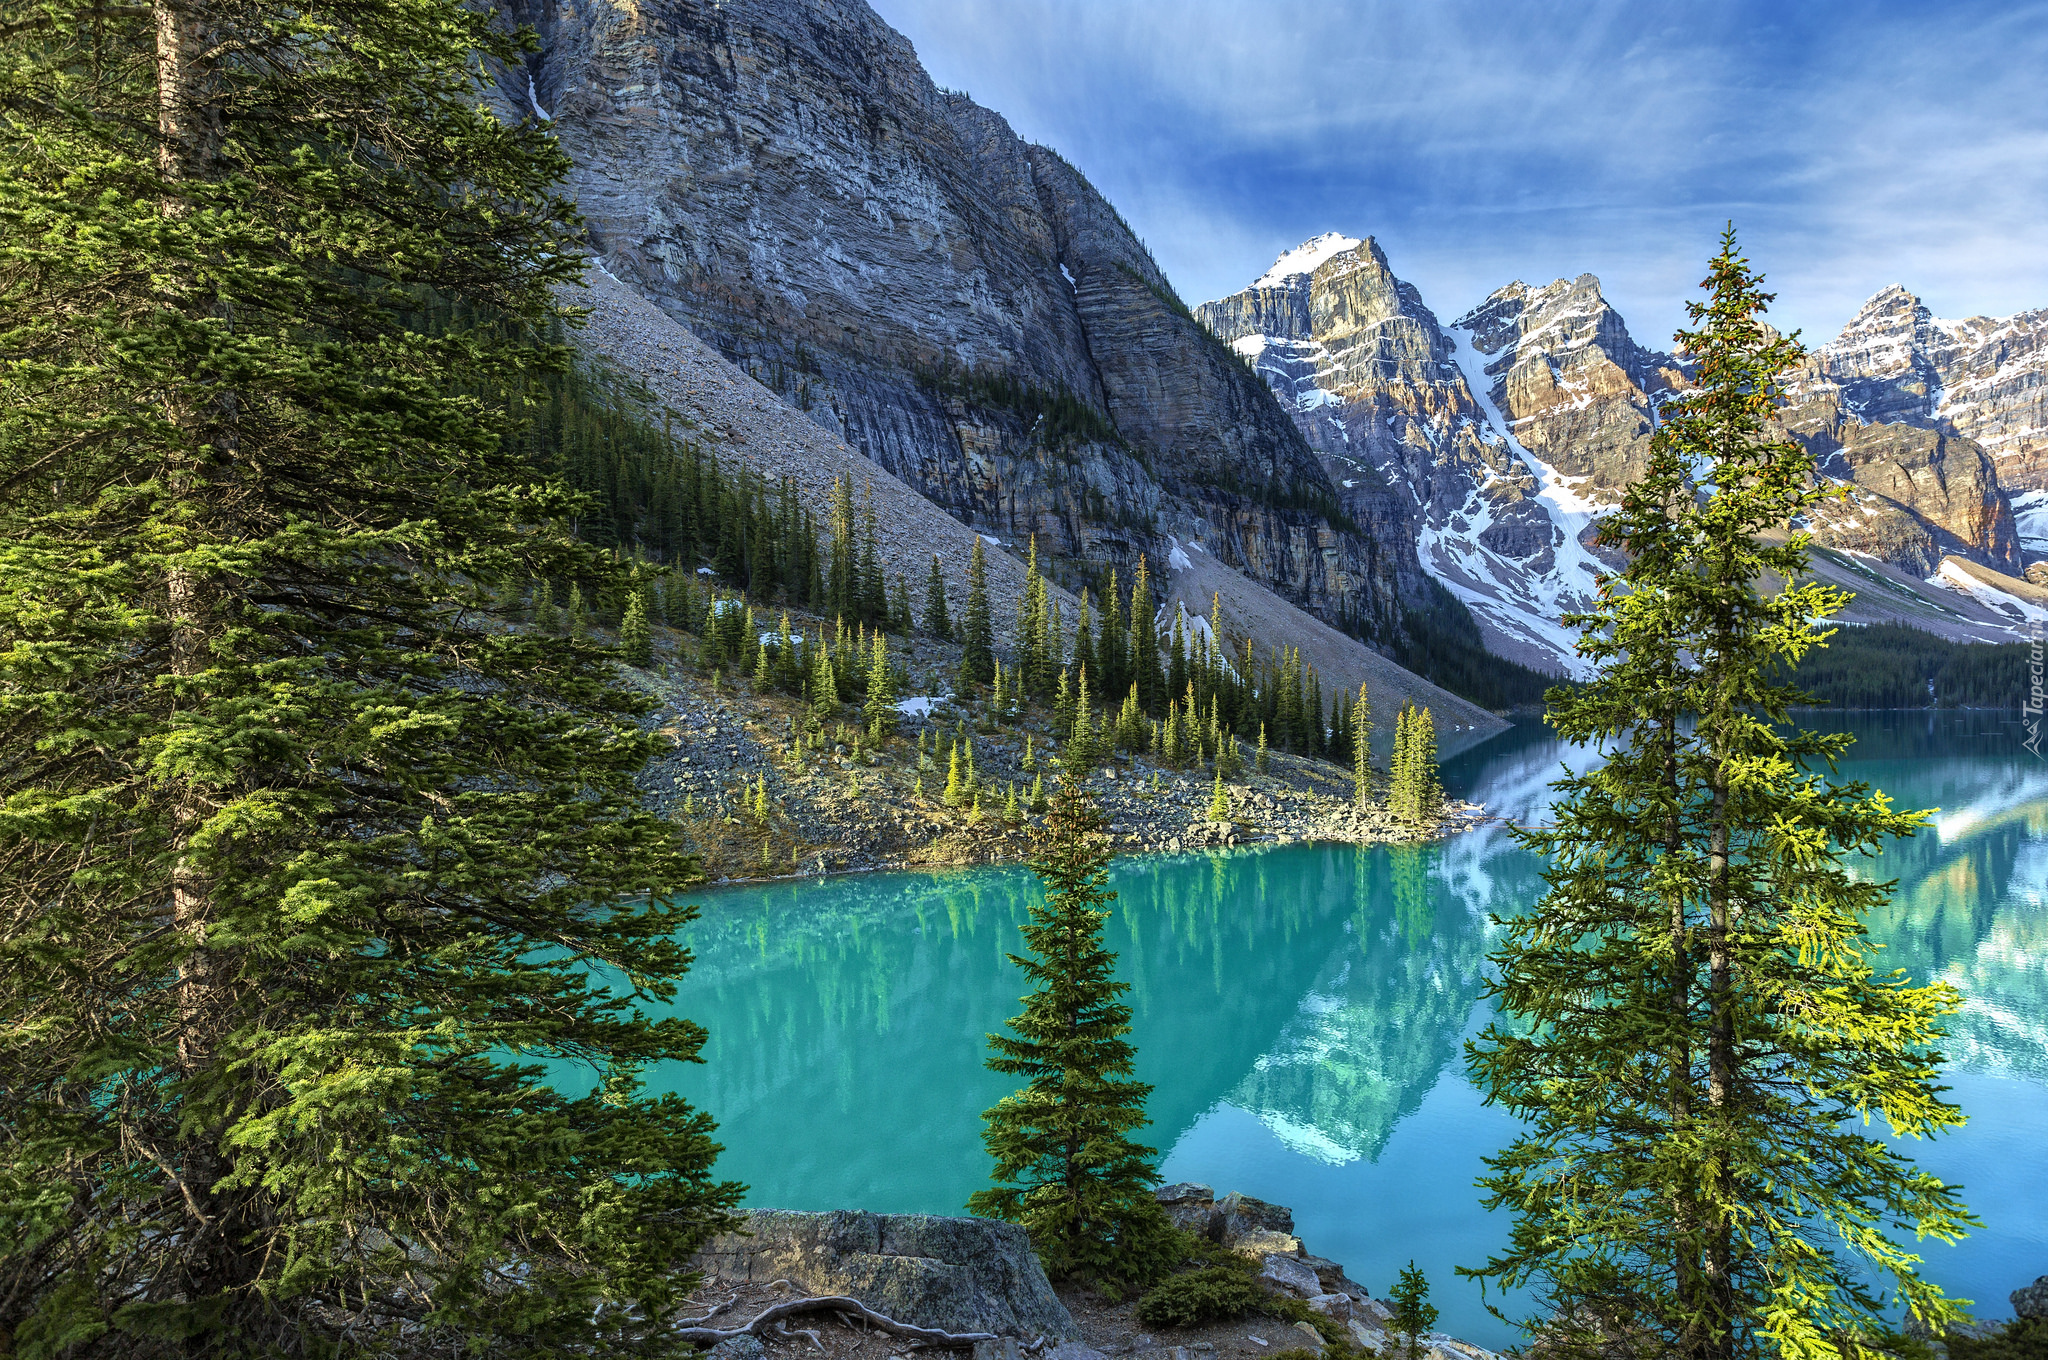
[[1515, 426], [1382, 392], [782, 177]]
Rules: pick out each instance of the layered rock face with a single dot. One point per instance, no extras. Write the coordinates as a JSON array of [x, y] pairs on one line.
[[1582, 395], [782, 177], [1377, 387], [1985, 378], [1577, 390]]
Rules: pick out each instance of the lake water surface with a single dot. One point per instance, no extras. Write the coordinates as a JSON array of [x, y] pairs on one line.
[[1301, 1010]]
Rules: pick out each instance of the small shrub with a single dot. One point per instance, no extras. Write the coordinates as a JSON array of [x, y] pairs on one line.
[[2022, 1339], [1213, 1294]]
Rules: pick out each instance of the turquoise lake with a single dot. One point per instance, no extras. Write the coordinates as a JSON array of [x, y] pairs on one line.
[[1301, 1010]]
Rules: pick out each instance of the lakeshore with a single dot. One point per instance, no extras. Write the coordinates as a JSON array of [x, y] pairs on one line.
[[858, 806]]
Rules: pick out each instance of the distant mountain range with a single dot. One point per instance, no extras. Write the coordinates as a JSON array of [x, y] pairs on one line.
[[963, 308], [1512, 428]]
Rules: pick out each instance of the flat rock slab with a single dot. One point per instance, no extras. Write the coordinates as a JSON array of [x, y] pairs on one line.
[[959, 1274]]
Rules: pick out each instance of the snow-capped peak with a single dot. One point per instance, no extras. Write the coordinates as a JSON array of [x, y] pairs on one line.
[[1304, 258]]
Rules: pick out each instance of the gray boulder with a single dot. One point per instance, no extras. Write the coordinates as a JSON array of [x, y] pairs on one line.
[[1281, 1272], [1192, 1208], [2031, 1301], [959, 1274]]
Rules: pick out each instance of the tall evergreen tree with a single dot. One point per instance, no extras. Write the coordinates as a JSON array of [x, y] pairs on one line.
[[310, 866], [874, 588], [880, 705], [1697, 1033], [1084, 637], [842, 589], [1146, 671], [636, 637], [936, 620], [1066, 1166], [1036, 640], [1361, 746], [1112, 646], [977, 628]]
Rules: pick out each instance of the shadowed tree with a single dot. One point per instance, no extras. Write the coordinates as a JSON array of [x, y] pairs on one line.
[[307, 863], [1065, 1163]]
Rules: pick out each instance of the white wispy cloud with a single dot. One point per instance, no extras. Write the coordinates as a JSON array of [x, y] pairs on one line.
[[1855, 145]]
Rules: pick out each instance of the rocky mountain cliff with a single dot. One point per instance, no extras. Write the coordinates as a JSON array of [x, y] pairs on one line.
[[1514, 427], [1384, 395], [782, 177]]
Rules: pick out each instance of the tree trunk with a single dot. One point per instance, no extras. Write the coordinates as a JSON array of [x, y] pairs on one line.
[[189, 126], [1693, 1342]]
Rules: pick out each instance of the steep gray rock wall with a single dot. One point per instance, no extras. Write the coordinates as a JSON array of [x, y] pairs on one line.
[[783, 178]]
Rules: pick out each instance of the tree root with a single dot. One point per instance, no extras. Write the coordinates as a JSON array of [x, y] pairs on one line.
[[773, 1315]]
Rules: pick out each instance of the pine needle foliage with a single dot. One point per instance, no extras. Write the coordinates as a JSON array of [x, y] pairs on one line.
[[1065, 1163], [977, 627], [1697, 1031], [304, 860]]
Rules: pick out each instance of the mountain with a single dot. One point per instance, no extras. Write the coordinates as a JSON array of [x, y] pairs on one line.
[[1978, 386], [781, 177], [1511, 429], [1388, 398]]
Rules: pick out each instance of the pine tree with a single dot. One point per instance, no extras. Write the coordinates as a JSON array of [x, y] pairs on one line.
[[1079, 755], [843, 588], [977, 632], [1219, 801], [310, 870], [547, 618], [1065, 1163], [1034, 632], [880, 709], [579, 614], [1413, 1314], [900, 621], [1361, 746], [636, 639], [1693, 1033], [956, 786], [874, 590], [1144, 644], [824, 681], [1259, 762], [1084, 638], [936, 621], [1112, 665]]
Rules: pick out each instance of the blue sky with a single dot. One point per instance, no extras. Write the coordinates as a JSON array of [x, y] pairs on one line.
[[1854, 145]]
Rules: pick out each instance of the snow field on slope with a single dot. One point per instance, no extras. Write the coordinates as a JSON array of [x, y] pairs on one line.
[[1570, 584]]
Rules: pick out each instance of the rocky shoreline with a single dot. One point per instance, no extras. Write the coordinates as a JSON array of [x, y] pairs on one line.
[[857, 806], [979, 1276], [979, 1280]]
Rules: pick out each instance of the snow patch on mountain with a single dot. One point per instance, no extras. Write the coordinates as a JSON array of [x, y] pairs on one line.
[[2030, 518], [1304, 258], [1521, 602]]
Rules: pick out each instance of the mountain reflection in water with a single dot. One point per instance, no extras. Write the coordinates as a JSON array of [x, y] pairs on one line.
[[1300, 1011]]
